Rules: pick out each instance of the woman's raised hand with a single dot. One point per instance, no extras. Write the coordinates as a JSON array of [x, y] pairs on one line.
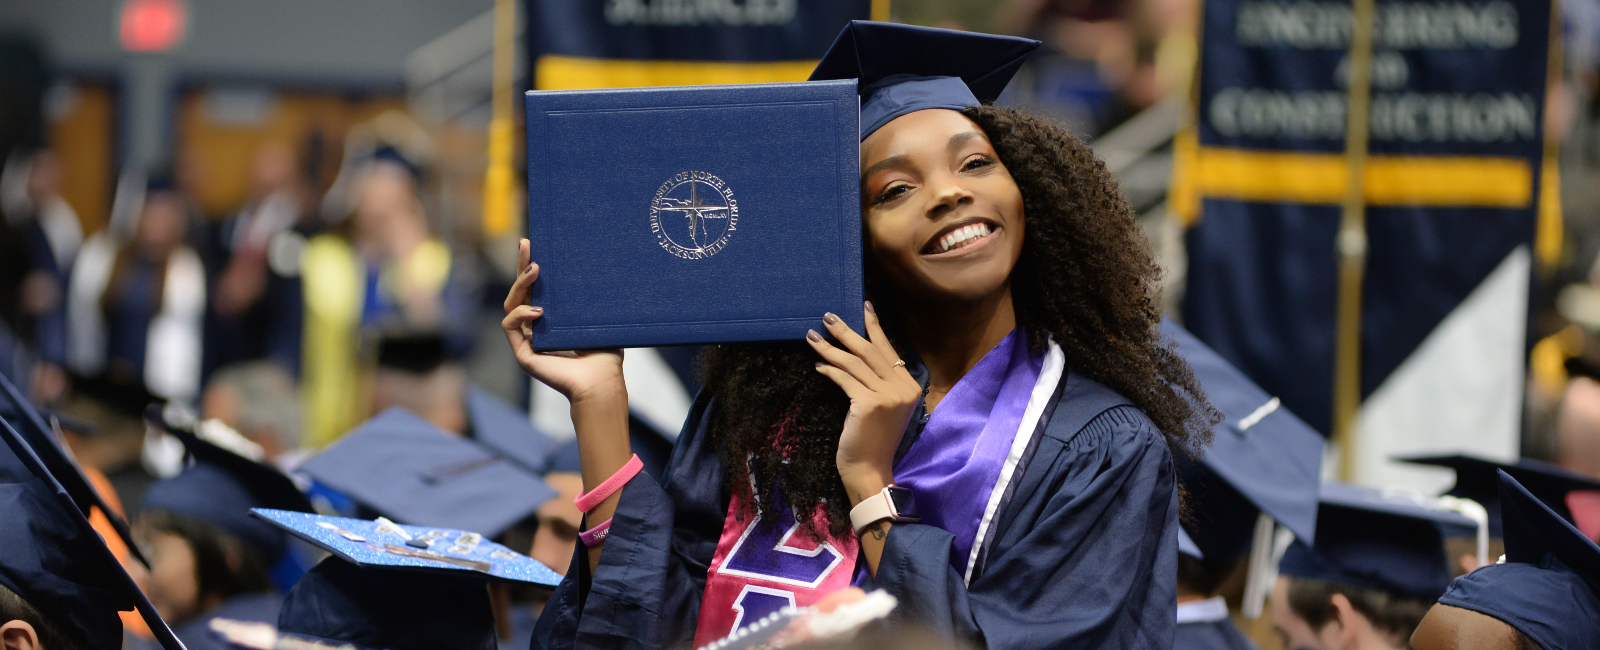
[[576, 374], [882, 395]]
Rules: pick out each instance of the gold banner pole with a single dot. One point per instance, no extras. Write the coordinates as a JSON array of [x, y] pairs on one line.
[[1352, 243], [497, 178]]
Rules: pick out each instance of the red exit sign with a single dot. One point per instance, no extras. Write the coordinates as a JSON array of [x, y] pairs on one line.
[[153, 25]]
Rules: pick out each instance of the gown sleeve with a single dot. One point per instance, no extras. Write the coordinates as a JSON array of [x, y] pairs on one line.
[[1085, 554], [646, 591]]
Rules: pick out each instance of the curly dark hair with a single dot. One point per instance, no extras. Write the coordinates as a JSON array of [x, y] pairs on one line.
[[1086, 279]]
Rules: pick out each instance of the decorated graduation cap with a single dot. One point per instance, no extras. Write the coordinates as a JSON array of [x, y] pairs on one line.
[[1549, 586], [400, 466], [1262, 459], [498, 426], [1477, 479], [31, 425], [399, 587], [1392, 543], [904, 68], [222, 486], [54, 559]]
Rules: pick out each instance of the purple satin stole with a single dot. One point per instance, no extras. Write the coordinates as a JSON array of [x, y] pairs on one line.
[[954, 466]]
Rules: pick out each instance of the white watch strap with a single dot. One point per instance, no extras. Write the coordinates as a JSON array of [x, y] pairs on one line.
[[870, 511]]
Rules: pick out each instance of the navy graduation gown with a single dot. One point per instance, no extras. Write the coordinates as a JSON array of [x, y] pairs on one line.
[[1083, 553], [261, 607], [1212, 635]]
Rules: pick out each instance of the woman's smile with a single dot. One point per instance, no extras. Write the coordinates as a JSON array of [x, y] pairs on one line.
[[962, 237]]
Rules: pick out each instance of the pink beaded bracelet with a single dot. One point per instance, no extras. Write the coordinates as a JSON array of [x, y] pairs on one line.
[[595, 535], [589, 500]]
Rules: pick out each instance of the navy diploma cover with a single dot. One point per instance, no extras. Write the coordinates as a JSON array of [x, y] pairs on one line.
[[688, 215]]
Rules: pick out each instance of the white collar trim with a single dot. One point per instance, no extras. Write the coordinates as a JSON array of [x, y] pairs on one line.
[[1209, 610]]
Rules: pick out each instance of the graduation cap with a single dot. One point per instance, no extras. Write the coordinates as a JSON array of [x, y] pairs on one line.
[[221, 487], [126, 398], [1476, 479], [653, 449], [1550, 581], [412, 353], [33, 429], [498, 426], [391, 154], [56, 561], [399, 587], [1392, 543], [389, 608], [904, 68], [1262, 459], [404, 468]]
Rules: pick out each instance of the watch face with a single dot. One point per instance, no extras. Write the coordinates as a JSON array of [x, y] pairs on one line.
[[904, 504]]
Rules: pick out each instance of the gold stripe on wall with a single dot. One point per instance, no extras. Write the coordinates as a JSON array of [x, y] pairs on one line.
[[1319, 178], [554, 72]]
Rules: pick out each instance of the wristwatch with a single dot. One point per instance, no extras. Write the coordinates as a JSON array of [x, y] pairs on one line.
[[893, 503]]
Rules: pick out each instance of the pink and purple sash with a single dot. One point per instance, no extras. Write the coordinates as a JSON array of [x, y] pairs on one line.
[[958, 469]]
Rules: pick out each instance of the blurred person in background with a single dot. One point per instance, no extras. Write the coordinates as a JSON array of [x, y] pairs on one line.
[[50, 234], [381, 269], [258, 399], [255, 294], [136, 304]]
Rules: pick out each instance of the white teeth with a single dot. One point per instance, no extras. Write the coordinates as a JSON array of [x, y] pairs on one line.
[[960, 236]]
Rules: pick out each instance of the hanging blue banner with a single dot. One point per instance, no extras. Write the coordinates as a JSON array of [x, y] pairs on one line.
[[613, 43], [1457, 160]]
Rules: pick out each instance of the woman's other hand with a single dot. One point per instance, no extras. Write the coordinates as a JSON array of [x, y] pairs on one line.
[[578, 374], [882, 395]]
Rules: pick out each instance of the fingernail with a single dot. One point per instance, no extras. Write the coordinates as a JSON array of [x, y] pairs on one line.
[[818, 365], [814, 336], [870, 310], [538, 310], [829, 318]]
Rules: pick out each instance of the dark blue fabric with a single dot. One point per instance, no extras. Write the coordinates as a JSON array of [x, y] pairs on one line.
[[1084, 554], [129, 311], [499, 426], [906, 68], [764, 31], [1212, 635], [662, 277], [1546, 602], [402, 467], [53, 558], [1478, 479], [397, 609], [255, 608], [1367, 540], [1549, 586], [210, 494], [1273, 464]]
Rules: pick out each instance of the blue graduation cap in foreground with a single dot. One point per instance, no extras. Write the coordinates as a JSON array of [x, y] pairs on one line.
[[1549, 586], [1369, 539], [398, 587], [402, 467], [904, 68], [221, 487], [1262, 459], [56, 561], [1477, 479], [31, 426]]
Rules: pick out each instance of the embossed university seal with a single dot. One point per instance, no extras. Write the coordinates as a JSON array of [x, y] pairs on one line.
[[693, 215]]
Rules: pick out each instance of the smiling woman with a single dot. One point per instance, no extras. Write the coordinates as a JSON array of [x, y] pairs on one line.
[[995, 450]]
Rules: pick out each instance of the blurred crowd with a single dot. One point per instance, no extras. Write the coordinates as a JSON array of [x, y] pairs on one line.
[[327, 298]]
